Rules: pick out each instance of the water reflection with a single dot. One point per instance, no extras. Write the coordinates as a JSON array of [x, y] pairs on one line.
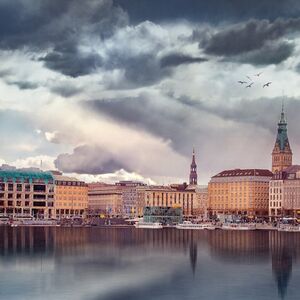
[[193, 256], [164, 264], [285, 249]]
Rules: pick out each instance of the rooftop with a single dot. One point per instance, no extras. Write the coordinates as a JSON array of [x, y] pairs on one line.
[[292, 169], [244, 172], [25, 175], [65, 178]]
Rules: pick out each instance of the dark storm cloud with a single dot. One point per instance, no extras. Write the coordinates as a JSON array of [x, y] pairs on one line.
[[44, 23], [176, 59], [258, 42], [89, 159], [140, 70], [271, 53], [248, 36], [71, 62], [58, 27], [208, 11]]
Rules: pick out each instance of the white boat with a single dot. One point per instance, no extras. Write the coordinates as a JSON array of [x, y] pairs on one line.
[[289, 228], [148, 225], [39, 223], [190, 225], [234, 226]]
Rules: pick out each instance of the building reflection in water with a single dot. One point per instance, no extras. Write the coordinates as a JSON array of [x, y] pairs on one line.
[[193, 256], [229, 247], [285, 249]]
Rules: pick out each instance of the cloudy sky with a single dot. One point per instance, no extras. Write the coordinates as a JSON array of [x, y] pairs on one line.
[[124, 89]]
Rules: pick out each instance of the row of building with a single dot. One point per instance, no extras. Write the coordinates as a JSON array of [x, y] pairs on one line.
[[248, 193]]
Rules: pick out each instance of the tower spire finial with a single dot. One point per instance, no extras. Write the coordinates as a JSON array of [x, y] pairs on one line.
[[282, 115]]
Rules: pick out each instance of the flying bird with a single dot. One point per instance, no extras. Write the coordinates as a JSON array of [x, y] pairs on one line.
[[267, 84], [242, 82], [258, 74], [249, 85]]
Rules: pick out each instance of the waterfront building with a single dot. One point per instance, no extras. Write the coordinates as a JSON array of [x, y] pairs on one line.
[[175, 195], [200, 205], [26, 193], [131, 205], [104, 199], [282, 155], [119, 199], [284, 196], [276, 195], [71, 196], [240, 192]]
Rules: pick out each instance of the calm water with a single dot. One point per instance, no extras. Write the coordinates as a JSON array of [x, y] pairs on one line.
[[113, 264]]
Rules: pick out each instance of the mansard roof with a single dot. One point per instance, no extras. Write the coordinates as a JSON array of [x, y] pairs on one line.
[[244, 172]]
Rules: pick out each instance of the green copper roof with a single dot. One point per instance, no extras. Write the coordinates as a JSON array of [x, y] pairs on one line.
[[21, 175], [282, 137]]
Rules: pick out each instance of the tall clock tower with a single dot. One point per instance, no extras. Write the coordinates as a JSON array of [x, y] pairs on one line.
[[282, 155]]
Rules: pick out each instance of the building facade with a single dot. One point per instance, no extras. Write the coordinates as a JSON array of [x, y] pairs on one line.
[[276, 196], [200, 205], [131, 206], [175, 195], [284, 199], [71, 197], [26, 193], [104, 199], [240, 192], [282, 156]]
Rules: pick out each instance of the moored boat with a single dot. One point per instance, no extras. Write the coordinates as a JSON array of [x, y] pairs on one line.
[[148, 225], [190, 225], [289, 228], [234, 226], [34, 223]]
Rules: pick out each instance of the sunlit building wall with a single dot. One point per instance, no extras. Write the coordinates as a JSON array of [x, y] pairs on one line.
[[104, 199], [71, 197], [284, 200], [200, 205], [171, 196], [240, 192]]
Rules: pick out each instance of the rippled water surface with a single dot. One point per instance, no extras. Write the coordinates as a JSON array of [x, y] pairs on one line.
[[113, 264]]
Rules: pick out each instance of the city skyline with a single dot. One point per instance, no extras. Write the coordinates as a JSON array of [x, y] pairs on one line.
[[127, 90]]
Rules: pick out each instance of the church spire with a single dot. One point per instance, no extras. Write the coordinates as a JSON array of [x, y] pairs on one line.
[[193, 172], [282, 117], [282, 154]]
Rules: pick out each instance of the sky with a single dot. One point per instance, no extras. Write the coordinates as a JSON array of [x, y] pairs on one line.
[[125, 89]]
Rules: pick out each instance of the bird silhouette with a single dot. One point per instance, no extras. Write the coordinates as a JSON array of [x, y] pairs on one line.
[[242, 82], [267, 84], [249, 85], [258, 74]]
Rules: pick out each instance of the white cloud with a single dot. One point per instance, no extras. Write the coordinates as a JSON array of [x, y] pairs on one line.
[[41, 161], [113, 177]]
